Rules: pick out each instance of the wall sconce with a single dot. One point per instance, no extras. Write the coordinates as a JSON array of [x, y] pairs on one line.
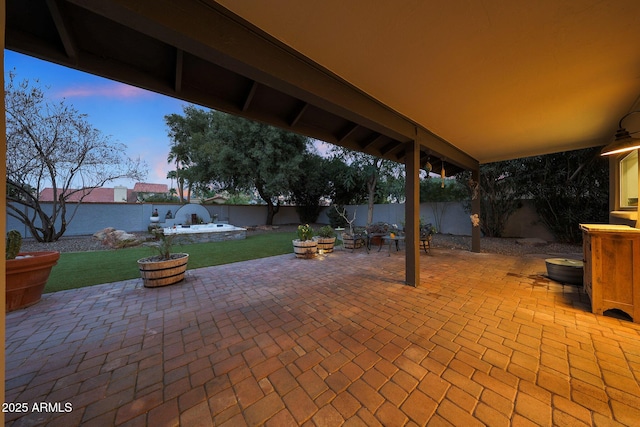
[[624, 141]]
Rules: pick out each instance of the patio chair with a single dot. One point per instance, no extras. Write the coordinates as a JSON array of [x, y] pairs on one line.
[[426, 234]]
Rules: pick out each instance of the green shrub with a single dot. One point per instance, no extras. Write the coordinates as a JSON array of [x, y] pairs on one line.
[[327, 232], [305, 232], [335, 219]]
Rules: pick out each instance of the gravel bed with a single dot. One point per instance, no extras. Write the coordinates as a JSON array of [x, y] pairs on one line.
[[505, 246]]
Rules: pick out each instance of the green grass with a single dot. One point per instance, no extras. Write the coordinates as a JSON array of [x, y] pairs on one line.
[[79, 269]]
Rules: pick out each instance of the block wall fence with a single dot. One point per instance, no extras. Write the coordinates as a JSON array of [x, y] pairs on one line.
[[453, 219]]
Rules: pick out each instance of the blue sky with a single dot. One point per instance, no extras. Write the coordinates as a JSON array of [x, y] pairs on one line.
[[129, 115]]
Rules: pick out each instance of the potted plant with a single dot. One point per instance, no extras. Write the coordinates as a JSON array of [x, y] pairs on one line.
[[165, 268], [326, 239], [304, 246], [26, 273], [155, 217], [351, 239]]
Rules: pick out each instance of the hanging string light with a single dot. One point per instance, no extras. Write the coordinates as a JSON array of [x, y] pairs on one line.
[[442, 175], [428, 167]]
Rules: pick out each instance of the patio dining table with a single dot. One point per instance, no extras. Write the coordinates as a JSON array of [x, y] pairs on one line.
[[389, 239]]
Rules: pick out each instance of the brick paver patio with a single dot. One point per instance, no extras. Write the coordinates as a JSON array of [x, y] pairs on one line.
[[485, 340]]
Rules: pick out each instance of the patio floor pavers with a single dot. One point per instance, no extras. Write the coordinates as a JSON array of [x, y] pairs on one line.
[[484, 340]]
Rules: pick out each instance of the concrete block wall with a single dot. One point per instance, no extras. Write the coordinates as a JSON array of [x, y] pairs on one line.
[[450, 217]]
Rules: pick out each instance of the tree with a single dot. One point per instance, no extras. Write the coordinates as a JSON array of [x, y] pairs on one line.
[[346, 186], [311, 186], [367, 168], [438, 197], [187, 133], [52, 144], [500, 193], [236, 154], [568, 188], [256, 156]]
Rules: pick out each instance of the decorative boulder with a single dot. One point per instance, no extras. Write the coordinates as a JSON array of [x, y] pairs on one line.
[[116, 238]]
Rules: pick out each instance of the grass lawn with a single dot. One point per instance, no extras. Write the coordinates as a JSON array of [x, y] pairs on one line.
[[80, 269]]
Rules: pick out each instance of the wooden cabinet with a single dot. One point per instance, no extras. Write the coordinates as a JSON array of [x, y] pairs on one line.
[[612, 268]]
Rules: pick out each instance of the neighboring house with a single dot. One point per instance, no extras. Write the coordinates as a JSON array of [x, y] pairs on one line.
[[119, 194], [96, 195], [144, 190], [219, 199]]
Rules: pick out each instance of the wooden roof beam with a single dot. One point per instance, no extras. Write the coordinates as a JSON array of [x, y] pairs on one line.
[[177, 84], [298, 114], [62, 27], [250, 95]]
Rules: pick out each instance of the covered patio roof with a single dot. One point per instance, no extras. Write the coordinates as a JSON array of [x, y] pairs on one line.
[[473, 82]]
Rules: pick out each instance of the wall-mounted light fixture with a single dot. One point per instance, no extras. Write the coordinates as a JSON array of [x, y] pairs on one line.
[[624, 141]]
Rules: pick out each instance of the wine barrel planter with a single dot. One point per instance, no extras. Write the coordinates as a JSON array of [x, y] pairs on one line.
[[26, 277], [156, 273], [350, 242], [326, 244], [565, 270], [305, 249]]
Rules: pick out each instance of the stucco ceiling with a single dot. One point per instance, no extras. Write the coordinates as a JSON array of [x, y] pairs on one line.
[[497, 79]]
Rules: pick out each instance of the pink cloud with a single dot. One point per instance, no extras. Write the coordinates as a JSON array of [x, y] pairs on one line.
[[109, 90]]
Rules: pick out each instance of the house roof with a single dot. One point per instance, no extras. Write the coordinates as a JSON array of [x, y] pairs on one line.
[[144, 187], [472, 82], [97, 195], [106, 195]]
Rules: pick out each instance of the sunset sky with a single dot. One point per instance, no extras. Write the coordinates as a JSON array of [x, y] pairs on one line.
[[131, 116]]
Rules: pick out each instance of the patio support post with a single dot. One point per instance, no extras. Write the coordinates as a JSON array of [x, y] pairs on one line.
[[475, 209], [412, 213]]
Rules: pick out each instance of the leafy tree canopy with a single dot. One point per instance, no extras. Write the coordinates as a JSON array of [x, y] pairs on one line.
[[226, 152], [364, 175], [567, 188]]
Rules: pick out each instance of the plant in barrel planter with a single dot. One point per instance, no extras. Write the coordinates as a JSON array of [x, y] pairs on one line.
[[351, 239], [26, 273], [326, 239], [304, 246], [163, 269]]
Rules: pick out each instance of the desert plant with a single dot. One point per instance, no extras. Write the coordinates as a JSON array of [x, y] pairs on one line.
[[327, 231], [163, 245], [14, 243], [305, 232], [343, 214]]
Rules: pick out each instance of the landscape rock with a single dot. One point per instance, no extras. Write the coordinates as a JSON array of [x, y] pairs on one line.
[[116, 238]]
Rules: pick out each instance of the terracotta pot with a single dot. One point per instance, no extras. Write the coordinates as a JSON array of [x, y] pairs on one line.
[[164, 272], [26, 278]]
